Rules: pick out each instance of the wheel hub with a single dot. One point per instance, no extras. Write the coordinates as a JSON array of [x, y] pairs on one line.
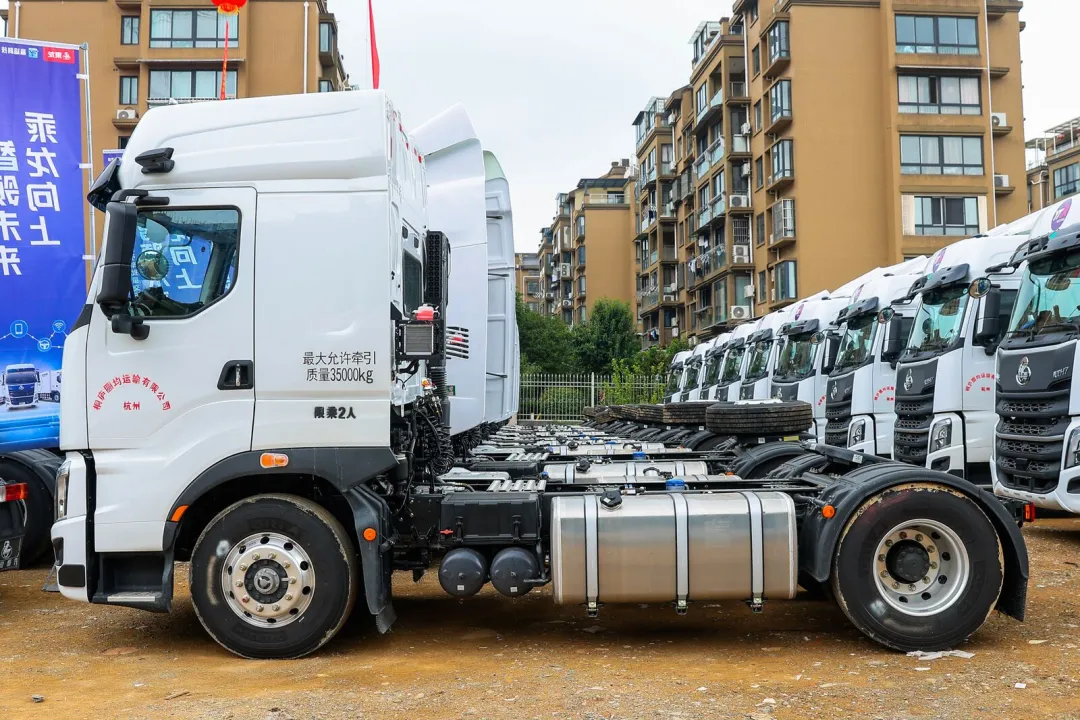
[[921, 567], [268, 579]]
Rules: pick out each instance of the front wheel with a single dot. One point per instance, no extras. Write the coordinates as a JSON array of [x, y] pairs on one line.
[[918, 568], [273, 576]]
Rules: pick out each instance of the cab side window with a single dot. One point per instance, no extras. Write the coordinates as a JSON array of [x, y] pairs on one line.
[[184, 260]]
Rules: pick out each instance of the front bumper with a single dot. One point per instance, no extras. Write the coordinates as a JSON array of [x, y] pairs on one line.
[[69, 534]]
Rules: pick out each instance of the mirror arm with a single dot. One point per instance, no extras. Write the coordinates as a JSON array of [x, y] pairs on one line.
[[125, 324]]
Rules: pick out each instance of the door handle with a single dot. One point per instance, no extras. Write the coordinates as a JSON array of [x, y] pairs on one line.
[[237, 375]]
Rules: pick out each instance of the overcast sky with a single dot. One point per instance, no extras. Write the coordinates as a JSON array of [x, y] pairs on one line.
[[553, 87]]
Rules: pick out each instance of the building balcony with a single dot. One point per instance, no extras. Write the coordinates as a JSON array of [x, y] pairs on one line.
[[716, 151], [667, 211], [781, 236], [156, 102], [737, 92], [608, 199], [709, 111], [669, 254], [740, 145], [703, 164], [706, 266], [719, 206], [778, 121], [648, 300], [667, 169], [779, 180], [705, 216], [778, 62]]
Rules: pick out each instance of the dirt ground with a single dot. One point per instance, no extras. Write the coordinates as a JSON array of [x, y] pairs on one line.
[[495, 658]]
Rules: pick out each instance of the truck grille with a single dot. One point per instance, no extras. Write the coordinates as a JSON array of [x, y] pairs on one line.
[[911, 430], [1030, 436], [836, 433], [838, 411]]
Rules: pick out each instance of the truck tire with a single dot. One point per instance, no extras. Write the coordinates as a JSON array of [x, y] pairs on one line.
[[918, 567], [759, 461], [759, 418], [299, 578], [36, 511]]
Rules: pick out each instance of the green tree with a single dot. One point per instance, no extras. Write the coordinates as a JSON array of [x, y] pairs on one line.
[[607, 336], [546, 345]]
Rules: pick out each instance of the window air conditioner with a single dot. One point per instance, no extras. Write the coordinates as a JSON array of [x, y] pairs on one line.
[[739, 201], [745, 128], [127, 114], [1001, 181], [998, 119], [564, 269], [746, 170], [740, 312], [740, 254]]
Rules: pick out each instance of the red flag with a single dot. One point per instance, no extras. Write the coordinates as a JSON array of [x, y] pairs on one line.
[[374, 48]]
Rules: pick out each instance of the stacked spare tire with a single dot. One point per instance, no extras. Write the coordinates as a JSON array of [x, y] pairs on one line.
[[743, 417]]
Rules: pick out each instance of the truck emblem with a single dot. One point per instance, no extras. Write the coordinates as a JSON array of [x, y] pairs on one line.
[[908, 381], [779, 394], [832, 392], [1023, 373], [1060, 215], [7, 552]]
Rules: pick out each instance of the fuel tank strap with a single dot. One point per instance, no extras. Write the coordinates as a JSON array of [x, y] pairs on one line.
[[682, 551], [757, 553], [592, 588]]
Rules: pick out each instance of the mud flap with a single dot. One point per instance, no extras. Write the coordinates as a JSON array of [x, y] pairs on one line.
[[376, 557]]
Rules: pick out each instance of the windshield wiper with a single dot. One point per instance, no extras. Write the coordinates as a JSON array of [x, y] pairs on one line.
[[1061, 324]]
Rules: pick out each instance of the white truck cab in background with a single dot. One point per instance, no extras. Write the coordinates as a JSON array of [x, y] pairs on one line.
[[714, 360], [676, 379], [862, 384], [945, 377], [695, 372], [760, 356], [734, 364]]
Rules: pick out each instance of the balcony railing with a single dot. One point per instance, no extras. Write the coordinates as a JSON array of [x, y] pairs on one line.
[[740, 144], [155, 102], [719, 205], [609, 199], [648, 217], [669, 253], [648, 298], [667, 210], [705, 216], [716, 150], [705, 265], [703, 164], [667, 168], [737, 89]]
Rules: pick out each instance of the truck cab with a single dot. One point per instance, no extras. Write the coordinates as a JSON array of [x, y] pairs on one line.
[[676, 379], [760, 356], [734, 364], [862, 384], [21, 382], [695, 372], [944, 405], [1037, 450], [714, 361]]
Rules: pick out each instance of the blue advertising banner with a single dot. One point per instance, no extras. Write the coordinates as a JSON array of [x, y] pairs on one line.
[[42, 235], [109, 155]]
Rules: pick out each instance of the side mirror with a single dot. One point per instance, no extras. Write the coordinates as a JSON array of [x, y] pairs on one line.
[[114, 291], [894, 341], [832, 349], [988, 321]]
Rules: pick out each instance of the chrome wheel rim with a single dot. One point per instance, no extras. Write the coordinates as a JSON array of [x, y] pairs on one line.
[[268, 580], [921, 567]]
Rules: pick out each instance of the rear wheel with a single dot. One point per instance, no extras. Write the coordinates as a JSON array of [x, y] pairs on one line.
[[918, 568], [273, 576], [36, 511]]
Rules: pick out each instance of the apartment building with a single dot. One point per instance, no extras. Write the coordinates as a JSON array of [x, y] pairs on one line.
[[879, 130], [1053, 165], [146, 53], [589, 230], [527, 279]]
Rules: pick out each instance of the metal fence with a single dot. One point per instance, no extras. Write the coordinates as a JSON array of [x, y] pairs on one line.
[[563, 398]]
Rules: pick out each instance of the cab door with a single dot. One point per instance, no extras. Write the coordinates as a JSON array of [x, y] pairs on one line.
[[163, 409]]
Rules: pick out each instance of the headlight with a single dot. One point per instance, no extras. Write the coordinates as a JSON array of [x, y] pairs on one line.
[[1072, 449], [62, 489], [941, 435], [857, 432]]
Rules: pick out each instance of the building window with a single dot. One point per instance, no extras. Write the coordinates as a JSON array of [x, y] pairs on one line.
[[759, 228], [191, 29], [762, 283], [129, 90], [947, 216], [532, 288], [779, 45], [534, 307], [783, 160], [129, 30], [1065, 180], [326, 38], [581, 313], [703, 97], [933, 95], [783, 220], [581, 261], [757, 116], [190, 84], [742, 282], [719, 289], [755, 55], [122, 141], [703, 196], [937, 35], [581, 279], [759, 173], [784, 280], [326, 86], [752, 11], [940, 155], [780, 101]]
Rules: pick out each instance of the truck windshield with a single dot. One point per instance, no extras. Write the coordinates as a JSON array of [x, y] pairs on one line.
[[759, 360], [693, 370], [1049, 299], [674, 376], [733, 365], [939, 320], [20, 377], [857, 341], [712, 369], [796, 358]]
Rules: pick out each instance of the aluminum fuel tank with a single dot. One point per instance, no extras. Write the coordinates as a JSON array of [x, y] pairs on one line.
[[606, 472], [674, 547]]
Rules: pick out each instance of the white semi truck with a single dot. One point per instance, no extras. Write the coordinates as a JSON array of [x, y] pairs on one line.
[[676, 378], [862, 384], [733, 366], [761, 354], [292, 441], [21, 385]]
